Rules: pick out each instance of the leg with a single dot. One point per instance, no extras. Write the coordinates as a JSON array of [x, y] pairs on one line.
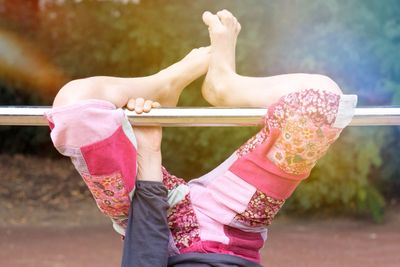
[[101, 144], [98, 137], [164, 87], [224, 87], [237, 201]]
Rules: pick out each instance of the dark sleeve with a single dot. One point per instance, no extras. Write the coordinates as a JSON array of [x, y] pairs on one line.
[[147, 234]]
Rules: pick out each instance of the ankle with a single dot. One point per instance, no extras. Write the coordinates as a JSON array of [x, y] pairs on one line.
[[168, 91], [216, 88]]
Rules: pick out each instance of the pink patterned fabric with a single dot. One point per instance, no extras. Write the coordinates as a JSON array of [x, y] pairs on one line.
[[243, 243], [113, 154], [253, 142], [182, 219], [91, 133], [305, 119], [171, 181], [226, 210], [297, 133], [227, 194], [183, 224], [260, 211], [111, 196], [83, 123]]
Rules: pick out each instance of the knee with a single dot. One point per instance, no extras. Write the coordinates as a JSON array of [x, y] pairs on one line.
[[66, 94], [322, 82], [72, 92]]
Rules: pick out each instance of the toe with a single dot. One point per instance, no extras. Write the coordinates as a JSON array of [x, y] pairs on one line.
[[226, 17], [238, 27], [212, 21]]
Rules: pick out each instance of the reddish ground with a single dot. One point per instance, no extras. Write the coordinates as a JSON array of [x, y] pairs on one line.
[[291, 243], [47, 220]]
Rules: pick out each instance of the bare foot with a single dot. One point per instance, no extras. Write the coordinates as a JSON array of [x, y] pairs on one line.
[[182, 73], [224, 29]]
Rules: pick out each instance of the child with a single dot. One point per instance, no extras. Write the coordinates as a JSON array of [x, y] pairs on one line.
[[223, 215]]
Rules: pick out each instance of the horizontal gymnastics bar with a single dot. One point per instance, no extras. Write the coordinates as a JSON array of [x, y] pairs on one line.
[[201, 116]]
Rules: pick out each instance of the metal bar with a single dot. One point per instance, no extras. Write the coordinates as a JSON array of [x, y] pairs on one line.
[[188, 117]]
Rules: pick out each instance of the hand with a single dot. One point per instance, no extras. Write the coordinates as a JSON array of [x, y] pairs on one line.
[[148, 137], [139, 105]]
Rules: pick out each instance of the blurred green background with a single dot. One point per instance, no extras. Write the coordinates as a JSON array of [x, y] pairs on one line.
[[43, 44]]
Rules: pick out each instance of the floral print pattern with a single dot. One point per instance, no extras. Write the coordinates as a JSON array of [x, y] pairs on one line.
[[183, 224], [110, 195], [182, 219], [253, 142], [305, 120], [260, 211], [171, 181]]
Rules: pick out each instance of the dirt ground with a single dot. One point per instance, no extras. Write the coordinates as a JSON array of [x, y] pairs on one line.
[[48, 219]]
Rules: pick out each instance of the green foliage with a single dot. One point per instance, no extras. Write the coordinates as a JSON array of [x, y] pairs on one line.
[[355, 42]]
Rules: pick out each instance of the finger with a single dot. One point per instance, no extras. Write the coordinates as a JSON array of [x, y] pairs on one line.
[[147, 105], [131, 104], [139, 105], [155, 105]]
